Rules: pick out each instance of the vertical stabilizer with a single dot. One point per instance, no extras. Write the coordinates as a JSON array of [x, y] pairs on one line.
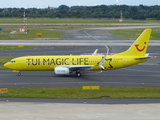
[[139, 47]]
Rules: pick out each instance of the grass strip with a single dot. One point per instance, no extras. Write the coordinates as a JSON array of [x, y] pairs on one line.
[[78, 93], [133, 34], [32, 35], [17, 47], [72, 20]]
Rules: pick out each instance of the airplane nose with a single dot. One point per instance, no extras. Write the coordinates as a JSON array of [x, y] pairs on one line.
[[6, 65]]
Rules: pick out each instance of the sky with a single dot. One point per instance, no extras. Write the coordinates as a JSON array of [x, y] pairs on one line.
[[57, 3]]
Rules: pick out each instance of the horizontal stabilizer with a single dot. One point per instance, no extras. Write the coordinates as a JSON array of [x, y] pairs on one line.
[[140, 58]]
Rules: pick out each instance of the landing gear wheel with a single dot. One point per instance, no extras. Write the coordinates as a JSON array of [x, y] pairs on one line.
[[78, 74], [19, 74]]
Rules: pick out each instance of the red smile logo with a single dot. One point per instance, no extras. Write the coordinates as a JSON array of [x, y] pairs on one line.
[[140, 50]]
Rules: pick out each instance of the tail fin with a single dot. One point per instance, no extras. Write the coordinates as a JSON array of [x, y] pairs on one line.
[[139, 47]]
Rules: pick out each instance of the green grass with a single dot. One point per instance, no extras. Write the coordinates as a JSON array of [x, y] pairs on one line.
[[78, 93], [134, 33], [92, 20], [46, 34], [128, 34], [16, 47], [66, 27], [72, 20]]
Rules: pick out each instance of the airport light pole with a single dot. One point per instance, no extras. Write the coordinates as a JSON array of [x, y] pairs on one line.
[[25, 21]]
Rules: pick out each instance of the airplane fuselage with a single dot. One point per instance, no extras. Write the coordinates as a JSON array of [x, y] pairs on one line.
[[48, 63]]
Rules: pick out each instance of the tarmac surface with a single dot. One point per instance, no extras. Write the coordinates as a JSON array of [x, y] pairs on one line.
[[54, 111], [136, 76], [144, 75]]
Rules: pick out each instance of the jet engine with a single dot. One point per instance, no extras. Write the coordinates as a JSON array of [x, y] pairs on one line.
[[61, 70]]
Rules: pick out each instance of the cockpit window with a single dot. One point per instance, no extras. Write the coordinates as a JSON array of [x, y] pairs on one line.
[[12, 61]]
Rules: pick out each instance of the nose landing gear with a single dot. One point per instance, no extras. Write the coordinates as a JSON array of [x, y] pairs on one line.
[[19, 74]]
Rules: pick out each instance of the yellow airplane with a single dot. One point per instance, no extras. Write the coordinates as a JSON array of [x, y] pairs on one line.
[[64, 65]]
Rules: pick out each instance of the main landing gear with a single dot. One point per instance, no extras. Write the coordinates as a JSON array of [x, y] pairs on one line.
[[78, 74]]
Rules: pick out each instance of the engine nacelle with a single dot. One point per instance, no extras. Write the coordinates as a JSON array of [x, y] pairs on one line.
[[61, 71]]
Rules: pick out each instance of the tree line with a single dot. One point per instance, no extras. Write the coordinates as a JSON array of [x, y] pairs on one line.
[[140, 12]]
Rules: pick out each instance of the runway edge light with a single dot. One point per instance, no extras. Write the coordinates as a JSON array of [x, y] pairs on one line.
[[3, 90]]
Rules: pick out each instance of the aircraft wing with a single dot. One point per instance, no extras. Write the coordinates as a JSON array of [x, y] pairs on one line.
[[79, 67]]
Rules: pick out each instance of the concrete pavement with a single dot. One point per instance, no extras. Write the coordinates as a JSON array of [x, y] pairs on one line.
[[54, 111], [73, 42]]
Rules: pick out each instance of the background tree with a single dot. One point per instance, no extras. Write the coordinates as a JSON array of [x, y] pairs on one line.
[[140, 12]]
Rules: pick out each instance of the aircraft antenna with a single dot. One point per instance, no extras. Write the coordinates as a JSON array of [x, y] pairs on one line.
[[25, 22]]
